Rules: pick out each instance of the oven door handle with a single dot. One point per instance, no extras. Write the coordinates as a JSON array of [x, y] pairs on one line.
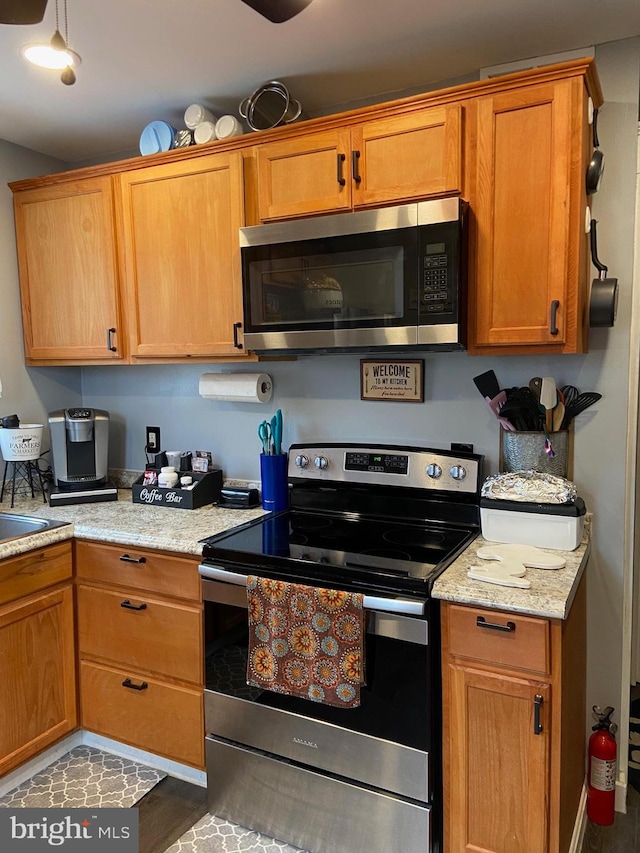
[[406, 606]]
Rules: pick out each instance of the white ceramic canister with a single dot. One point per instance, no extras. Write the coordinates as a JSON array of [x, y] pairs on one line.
[[205, 132], [168, 477], [228, 126], [195, 114]]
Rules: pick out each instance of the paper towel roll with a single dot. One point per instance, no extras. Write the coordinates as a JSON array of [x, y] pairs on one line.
[[236, 387]]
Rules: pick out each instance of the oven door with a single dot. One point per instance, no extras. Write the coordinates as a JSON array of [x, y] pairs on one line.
[[385, 743]]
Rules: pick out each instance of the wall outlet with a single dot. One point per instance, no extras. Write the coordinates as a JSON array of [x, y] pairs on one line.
[[153, 440]]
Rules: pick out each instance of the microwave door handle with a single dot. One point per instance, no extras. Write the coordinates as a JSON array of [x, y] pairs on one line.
[[410, 607]]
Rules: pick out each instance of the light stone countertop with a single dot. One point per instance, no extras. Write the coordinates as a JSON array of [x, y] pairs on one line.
[[552, 590], [125, 523]]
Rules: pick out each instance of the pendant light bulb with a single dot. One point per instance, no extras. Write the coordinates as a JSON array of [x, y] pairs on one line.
[[57, 41], [55, 54], [68, 76]]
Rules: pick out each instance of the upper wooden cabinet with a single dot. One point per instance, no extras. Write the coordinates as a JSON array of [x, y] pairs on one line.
[[69, 280], [139, 260], [181, 253], [394, 159], [529, 285]]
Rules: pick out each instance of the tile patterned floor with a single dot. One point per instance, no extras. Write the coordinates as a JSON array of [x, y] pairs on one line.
[[213, 835], [85, 777]]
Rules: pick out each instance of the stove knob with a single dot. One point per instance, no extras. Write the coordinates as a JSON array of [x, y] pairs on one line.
[[302, 461], [434, 471], [458, 472], [321, 463]]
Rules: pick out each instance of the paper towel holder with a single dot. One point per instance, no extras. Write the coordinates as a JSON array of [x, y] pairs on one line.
[[237, 387]]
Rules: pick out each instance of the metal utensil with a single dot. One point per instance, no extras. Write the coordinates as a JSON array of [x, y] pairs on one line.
[[264, 434]]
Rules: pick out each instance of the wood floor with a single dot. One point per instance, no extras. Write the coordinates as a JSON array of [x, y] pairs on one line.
[[623, 836], [167, 812]]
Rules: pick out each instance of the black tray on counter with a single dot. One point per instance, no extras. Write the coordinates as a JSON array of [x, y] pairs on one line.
[[206, 490]]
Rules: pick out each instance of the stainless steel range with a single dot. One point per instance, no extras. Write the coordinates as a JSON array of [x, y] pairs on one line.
[[383, 521]]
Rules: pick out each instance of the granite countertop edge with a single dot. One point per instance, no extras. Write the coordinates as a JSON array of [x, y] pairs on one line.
[[550, 596], [179, 531]]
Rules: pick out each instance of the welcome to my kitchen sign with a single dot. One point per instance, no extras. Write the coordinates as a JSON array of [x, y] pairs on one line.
[[392, 381]]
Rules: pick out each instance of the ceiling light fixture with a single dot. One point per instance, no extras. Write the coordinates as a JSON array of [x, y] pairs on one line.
[[56, 54]]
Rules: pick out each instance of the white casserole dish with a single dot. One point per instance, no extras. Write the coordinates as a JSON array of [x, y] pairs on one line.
[[559, 526]]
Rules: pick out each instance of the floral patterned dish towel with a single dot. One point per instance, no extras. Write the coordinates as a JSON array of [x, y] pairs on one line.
[[306, 641]]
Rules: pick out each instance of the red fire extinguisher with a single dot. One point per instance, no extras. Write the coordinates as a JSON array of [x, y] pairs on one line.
[[601, 777]]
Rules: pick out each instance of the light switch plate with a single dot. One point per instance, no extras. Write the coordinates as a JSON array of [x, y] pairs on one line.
[[153, 439]]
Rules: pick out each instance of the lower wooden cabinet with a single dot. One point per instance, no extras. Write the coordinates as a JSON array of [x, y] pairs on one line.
[[143, 711], [514, 729], [141, 649], [37, 659]]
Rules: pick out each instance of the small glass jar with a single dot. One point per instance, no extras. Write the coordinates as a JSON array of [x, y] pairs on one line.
[[168, 477]]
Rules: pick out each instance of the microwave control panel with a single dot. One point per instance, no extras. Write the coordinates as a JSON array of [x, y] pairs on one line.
[[435, 287]]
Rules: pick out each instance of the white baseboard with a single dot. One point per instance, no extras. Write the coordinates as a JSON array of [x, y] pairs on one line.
[[150, 759], [84, 738], [580, 826], [621, 794]]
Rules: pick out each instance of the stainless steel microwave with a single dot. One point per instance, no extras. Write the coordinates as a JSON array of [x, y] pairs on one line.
[[367, 281]]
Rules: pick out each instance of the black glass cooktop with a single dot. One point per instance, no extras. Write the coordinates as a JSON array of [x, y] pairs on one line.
[[308, 547]]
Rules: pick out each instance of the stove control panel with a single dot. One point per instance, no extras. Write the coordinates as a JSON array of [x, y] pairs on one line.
[[421, 468]]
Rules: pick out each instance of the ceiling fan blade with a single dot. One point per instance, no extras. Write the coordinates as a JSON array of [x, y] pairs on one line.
[[22, 11], [278, 11]]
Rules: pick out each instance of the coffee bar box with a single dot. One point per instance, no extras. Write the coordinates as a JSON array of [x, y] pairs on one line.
[[206, 490]]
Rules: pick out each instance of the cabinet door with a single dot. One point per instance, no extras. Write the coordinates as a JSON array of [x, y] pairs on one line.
[[497, 765], [304, 175], [69, 284], [37, 671], [529, 215], [182, 257], [409, 156]]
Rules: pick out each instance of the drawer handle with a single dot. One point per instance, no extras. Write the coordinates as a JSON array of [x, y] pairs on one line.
[[126, 603], [537, 706], [127, 559], [128, 683], [510, 627]]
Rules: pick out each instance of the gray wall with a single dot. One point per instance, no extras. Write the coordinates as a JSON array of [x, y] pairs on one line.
[[320, 396], [30, 393]]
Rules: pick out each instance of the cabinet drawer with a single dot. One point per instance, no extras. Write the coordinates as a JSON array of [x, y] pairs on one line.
[[34, 570], [494, 637], [138, 569], [161, 718], [142, 632]]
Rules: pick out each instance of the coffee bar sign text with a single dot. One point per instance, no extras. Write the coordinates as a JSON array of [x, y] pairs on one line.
[[392, 380]]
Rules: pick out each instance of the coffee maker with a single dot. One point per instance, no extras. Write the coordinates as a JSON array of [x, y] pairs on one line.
[[80, 444]]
